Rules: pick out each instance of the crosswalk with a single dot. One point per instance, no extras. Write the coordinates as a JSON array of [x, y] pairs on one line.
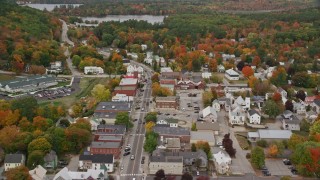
[[131, 174]]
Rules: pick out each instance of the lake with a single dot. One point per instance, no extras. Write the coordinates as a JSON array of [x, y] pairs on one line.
[[49, 7], [149, 18]]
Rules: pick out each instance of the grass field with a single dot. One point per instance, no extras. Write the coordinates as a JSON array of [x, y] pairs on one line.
[[4, 77], [86, 85]]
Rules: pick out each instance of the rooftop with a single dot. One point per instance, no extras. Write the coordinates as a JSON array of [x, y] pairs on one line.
[[202, 136], [232, 72], [166, 99], [13, 158], [171, 130], [116, 129], [128, 81], [274, 134], [130, 88], [97, 158], [114, 106], [252, 112], [208, 126], [96, 144], [166, 159], [27, 81]]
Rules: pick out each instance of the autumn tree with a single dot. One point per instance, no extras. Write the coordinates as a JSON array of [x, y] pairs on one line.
[[227, 144], [151, 116], [8, 137], [247, 71], [149, 126], [155, 78], [207, 98], [294, 140], [78, 138], [40, 144], [289, 105], [205, 147], [40, 123], [257, 157], [276, 97], [157, 90], [256, 61], [252, 81], [273, 150], [301, 95], [18, 173], [82, 124], [35, 158], [34, 69], [279, 77], [101, 93]]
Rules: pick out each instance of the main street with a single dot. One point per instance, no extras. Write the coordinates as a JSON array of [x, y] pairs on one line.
[[133, 168]]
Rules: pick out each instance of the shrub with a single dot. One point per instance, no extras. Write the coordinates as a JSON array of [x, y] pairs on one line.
[[248, 155], [262, 143]]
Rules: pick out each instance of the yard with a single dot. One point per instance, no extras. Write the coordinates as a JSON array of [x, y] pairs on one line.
[[243, 142], [5, 77]]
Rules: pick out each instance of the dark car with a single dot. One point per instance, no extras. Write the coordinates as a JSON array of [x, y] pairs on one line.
[[196, 112], [167, 114], [135, 120], [127, 149], [142, 161], [126, 153], [287, 162], [294, 171], [63, 162]]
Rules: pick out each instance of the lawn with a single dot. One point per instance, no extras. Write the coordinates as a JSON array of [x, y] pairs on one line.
[[5, 77], [86, 85]]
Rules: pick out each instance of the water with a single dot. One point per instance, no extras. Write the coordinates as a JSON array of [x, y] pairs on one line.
[[49, 7], [149, 18]]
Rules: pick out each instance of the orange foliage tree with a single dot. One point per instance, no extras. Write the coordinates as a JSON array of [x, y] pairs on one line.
[[276, 97], [247, 71]]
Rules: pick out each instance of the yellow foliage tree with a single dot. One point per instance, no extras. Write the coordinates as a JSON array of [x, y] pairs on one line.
[[149, 126], [273, 150]]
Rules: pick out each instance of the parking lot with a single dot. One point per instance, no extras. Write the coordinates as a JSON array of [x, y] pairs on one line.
[[54, 93], [276, 167]]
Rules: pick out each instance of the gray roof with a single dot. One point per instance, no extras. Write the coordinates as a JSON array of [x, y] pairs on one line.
[[187, 155], [171, 130], [274, 134], [287, 121], [113, 106], [202, 136], [252, 112], [13, 158], [109, 138], [107, 115], [287, 112], [317, 102], [162, 158], [168, 98], [51, 156], [27, 81], [96, 144], [125, 88], [97, 158], [116, 129], [208, 126]]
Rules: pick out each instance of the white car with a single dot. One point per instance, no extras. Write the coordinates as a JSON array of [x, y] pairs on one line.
[[122, 167], [132, 157], [198, 173], [142, 109]]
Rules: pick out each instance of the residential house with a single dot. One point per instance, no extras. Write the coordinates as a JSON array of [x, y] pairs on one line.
[[171, 75], [208, 127], [113, 148], [206, 75], [221, 162], [283, 92], [316, 106], [299, 107], [165, 69], [170, 144], [144, 47], [28, 84], [189, 158], [93, 70], [127, 90], [132, 69], [225, 103], [168, 83], [227, 57], [254, 116], [237, 116], [205, 136], [108, 110], [65, 174], [221, 68], [172, 165], [270, 71], [122, 98], [149, 58], [13, 160], [169, 102], [208, 114], [216, 105], [51, 160], [126, 62], [289, 121], [96, 161], [269, 135], [191, 80], [38, 173], [171, 122], [232, 75], [170, 132], [55, 68]]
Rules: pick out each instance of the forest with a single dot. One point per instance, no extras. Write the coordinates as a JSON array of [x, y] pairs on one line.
[[28, 36]]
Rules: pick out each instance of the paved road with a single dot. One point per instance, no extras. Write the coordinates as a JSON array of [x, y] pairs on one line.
[[64, 36], [133, 168]]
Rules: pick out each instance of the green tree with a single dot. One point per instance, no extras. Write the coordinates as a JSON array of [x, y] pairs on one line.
[[107, 39], [101, 93], [82, 124], [257, 157], [40, 144], [76, 60], [26, 105], [151, 116], [151, 142], [77, 138], [193, 147], [35, 158], [262, 143], [294, 140], [207, 97], [18, 173], [194, 127], [123, 118], [271, 108], [58, 140]]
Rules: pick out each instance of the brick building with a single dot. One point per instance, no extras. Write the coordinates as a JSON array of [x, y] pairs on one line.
[[127, 90], [170, 102], [113, 148]]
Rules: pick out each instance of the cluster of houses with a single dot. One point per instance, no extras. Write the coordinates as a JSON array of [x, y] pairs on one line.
[[182, 80]]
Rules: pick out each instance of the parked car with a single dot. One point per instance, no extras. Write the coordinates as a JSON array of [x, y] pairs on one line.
[[287, 162], [126, 153], [132, 157], [127, 149]]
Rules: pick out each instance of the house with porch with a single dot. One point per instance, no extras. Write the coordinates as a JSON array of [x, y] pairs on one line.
[[254, 116], [208, 114]]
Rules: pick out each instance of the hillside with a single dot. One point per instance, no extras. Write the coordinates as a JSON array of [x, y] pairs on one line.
[[27, 36]]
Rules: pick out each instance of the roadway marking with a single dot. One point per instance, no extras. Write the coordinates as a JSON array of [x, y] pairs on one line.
[[131, 174]]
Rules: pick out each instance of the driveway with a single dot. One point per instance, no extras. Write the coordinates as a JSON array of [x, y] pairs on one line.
[[240, 164]]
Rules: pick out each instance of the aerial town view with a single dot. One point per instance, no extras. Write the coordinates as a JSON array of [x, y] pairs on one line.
[[159, 89]]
